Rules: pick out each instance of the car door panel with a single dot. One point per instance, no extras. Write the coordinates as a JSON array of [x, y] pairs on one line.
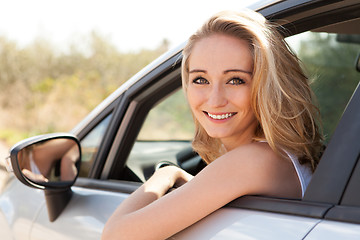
[[89, 209], [231, 223], [19, 206], [83, 218], [333, 230]]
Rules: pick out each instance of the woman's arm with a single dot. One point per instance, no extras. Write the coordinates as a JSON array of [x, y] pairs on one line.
[[68, 168], [149, 214], [157, 186], [163, 179]]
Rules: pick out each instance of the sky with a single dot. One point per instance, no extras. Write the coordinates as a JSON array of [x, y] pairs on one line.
[[129, 25]]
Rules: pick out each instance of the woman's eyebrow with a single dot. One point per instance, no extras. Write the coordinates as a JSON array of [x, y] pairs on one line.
[[237, 70], [225, 72], [197, 71]]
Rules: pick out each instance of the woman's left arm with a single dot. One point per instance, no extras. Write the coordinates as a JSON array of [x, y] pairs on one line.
[[150, 214]]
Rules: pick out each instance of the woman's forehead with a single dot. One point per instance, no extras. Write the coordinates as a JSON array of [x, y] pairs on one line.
[[221, 51]]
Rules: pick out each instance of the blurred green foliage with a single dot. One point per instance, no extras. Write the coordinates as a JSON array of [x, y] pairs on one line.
[[42, 90], [330, 63]]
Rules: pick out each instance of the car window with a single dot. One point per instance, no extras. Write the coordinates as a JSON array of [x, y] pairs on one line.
[[90, 145], [168, 128], [329, 61]]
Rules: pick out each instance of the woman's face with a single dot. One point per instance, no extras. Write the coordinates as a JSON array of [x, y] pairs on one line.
[[219, 88]]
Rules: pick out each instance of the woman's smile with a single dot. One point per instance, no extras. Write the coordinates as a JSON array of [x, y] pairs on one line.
[[220, 116]]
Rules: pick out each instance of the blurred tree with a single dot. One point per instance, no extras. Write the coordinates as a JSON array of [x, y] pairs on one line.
[[43, 90]]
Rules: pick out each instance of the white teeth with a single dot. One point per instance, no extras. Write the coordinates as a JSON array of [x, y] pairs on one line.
[[220, 117]]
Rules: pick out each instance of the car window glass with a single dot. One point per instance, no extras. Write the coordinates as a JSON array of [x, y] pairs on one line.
[[168, 128], [328, 60], [90, 145], [169, 120]]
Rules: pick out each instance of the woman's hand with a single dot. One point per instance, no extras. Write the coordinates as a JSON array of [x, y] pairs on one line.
[[33, 176], [165, 179]]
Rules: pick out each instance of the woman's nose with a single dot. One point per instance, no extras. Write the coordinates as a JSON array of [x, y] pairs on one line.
[[217, 97]]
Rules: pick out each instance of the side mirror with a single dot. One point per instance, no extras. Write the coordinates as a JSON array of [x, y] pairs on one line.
[[50, 162], [357, 63]]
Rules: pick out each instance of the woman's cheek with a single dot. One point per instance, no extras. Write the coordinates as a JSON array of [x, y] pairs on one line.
[[194, 97]]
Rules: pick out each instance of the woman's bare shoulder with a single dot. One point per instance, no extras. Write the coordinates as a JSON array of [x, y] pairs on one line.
[[265, 171], [256, 153]]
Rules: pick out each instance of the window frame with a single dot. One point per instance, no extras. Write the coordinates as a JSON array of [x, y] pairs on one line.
[[92, 125], [141, 96]]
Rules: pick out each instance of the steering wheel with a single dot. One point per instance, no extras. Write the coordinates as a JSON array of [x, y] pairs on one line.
[[187, 160], [165, 163]]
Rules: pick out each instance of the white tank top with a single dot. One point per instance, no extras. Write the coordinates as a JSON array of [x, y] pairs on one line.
[[33, 167], [303, 171]]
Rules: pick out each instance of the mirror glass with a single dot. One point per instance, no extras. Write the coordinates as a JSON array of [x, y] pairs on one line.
[[54, 160]]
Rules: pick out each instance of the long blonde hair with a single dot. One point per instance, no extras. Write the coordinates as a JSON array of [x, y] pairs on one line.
[[281, 98]]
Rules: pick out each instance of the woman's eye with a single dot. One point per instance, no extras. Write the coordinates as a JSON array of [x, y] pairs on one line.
[[236, 81], [200, 80]]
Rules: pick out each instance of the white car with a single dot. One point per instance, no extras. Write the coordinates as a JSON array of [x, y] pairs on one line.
[[147, 120]]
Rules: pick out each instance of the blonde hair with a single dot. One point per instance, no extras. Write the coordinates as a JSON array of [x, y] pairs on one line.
[[281, 98]]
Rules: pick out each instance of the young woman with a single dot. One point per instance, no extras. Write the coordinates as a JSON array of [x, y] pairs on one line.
[[256, 128]]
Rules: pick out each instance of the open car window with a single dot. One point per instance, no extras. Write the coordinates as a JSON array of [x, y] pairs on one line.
[[328, 60], [168, 129]]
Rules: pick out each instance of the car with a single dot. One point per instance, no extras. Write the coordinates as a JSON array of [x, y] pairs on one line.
[[146, 124]]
